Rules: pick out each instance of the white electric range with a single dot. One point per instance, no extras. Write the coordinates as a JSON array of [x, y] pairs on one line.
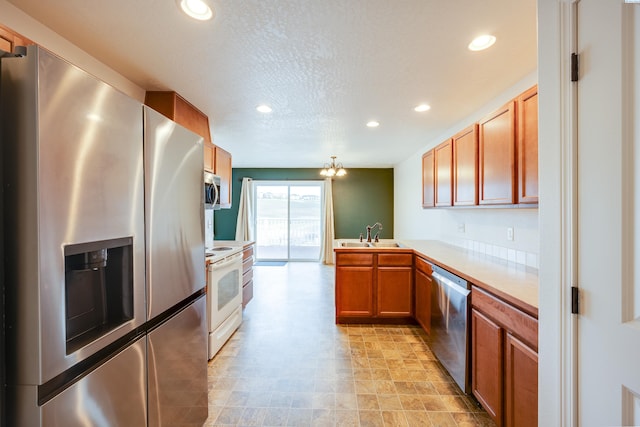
[[224, 294]]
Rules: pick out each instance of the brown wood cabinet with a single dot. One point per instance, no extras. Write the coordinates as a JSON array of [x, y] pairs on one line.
[[394, 285], [443, 164], [521, 384], [223, 170], [465, 167], [172, 105], [497, 145], [428, 180], [373, 286], [209, 157], [486, 364], [527, 138], [9, 39], [493, 162], [504, 362], [247, 274], [423, 283]]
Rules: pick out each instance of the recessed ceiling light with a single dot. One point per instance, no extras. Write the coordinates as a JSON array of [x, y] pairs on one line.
[[482, 42], [422, 108], [264, 108], [197, 9], [373, 124]]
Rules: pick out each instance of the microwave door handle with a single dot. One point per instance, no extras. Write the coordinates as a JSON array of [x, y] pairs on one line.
[[216, 198]]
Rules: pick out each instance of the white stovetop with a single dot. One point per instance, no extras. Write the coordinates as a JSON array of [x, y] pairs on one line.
[[223, 248]]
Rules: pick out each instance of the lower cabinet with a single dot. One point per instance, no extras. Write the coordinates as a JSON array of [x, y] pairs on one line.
[[521, 384], [504, 361], [373, 287], [354, 291], [423, 282], [247, 275], [487, 347]]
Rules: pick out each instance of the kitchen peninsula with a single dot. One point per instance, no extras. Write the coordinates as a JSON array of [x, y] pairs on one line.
[[393, 283]]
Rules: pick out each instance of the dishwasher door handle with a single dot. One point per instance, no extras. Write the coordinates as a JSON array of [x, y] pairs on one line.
[[450, 284]]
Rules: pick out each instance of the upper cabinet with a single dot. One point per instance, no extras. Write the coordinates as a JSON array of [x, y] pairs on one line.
[[497, 145], [223, 170], [9, 39], [443, 163], [492, 162], [178, 109], [527, 137], [428, 180], [465, 167], [216, 160]]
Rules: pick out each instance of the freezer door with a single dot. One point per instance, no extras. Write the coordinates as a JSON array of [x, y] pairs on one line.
[[177, 352], [112, 395], [174, 212]]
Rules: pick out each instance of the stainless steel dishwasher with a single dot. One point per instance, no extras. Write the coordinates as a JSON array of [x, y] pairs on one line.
[[449, 324]]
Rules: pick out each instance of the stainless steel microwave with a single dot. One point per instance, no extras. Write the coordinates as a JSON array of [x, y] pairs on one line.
[[211, 191]]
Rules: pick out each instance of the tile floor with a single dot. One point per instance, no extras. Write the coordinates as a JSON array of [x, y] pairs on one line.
[[290, 364]]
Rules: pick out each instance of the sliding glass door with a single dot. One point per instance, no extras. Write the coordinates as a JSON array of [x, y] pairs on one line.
[[288, 220]]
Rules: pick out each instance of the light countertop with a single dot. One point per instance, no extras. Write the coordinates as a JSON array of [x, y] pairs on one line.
[[515, 283]]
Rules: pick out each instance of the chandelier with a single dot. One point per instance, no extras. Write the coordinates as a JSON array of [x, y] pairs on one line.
[[333, 169]]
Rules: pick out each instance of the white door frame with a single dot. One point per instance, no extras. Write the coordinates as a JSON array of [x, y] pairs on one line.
[[557, 375]]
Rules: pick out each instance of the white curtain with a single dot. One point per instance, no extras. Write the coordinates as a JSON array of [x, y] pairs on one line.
[[245, 224], [329, 230]]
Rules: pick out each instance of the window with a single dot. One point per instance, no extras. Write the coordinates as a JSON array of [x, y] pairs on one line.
[[288, 220]]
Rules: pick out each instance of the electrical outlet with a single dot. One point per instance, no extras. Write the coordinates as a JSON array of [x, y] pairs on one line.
[[461, 227], [510, 233]]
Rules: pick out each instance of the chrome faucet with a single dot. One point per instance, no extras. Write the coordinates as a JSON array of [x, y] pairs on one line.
[[369, 227]]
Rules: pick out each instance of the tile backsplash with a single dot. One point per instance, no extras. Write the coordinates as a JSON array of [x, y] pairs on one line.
[[530, 259]]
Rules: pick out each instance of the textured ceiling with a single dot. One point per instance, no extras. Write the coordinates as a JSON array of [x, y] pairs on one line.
[[326, 67]]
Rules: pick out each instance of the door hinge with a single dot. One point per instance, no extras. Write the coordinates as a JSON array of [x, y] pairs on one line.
[[575, 300], [574, 67]]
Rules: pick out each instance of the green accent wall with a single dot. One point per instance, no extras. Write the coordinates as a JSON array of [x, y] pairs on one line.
[[362, 197]]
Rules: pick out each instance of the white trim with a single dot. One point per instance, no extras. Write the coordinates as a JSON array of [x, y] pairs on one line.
[[557, 398]]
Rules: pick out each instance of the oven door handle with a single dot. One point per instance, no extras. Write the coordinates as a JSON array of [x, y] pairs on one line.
[[224, 263]]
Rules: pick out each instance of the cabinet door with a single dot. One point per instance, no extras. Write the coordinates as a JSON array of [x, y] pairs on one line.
[[521, 384], [10, 39], [209, 157], [497, 157], [465, 167], [528, 146], [443, 162], [486, 364], [354, 291], [395, 295], [428, 180], [223, 170], [423, 300]]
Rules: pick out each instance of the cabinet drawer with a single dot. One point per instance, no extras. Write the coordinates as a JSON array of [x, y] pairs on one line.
[[423, 266], [395, 259], [354, 259], [247, 265], [247, 253], [247, 277], [520, 324]]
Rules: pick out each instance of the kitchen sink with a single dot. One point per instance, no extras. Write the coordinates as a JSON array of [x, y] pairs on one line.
[[385, 244], [355, 245]]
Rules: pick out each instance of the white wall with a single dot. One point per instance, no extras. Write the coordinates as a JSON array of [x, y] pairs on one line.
[[25, 25], [485, 229]]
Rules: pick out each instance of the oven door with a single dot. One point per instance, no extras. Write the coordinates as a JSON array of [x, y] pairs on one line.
[[224, 294]]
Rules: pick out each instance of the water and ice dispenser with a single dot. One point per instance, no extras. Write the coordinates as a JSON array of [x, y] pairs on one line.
[[98, 289]]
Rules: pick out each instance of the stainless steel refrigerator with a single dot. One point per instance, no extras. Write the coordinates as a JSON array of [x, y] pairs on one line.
[[92, 337], [176, 303]]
